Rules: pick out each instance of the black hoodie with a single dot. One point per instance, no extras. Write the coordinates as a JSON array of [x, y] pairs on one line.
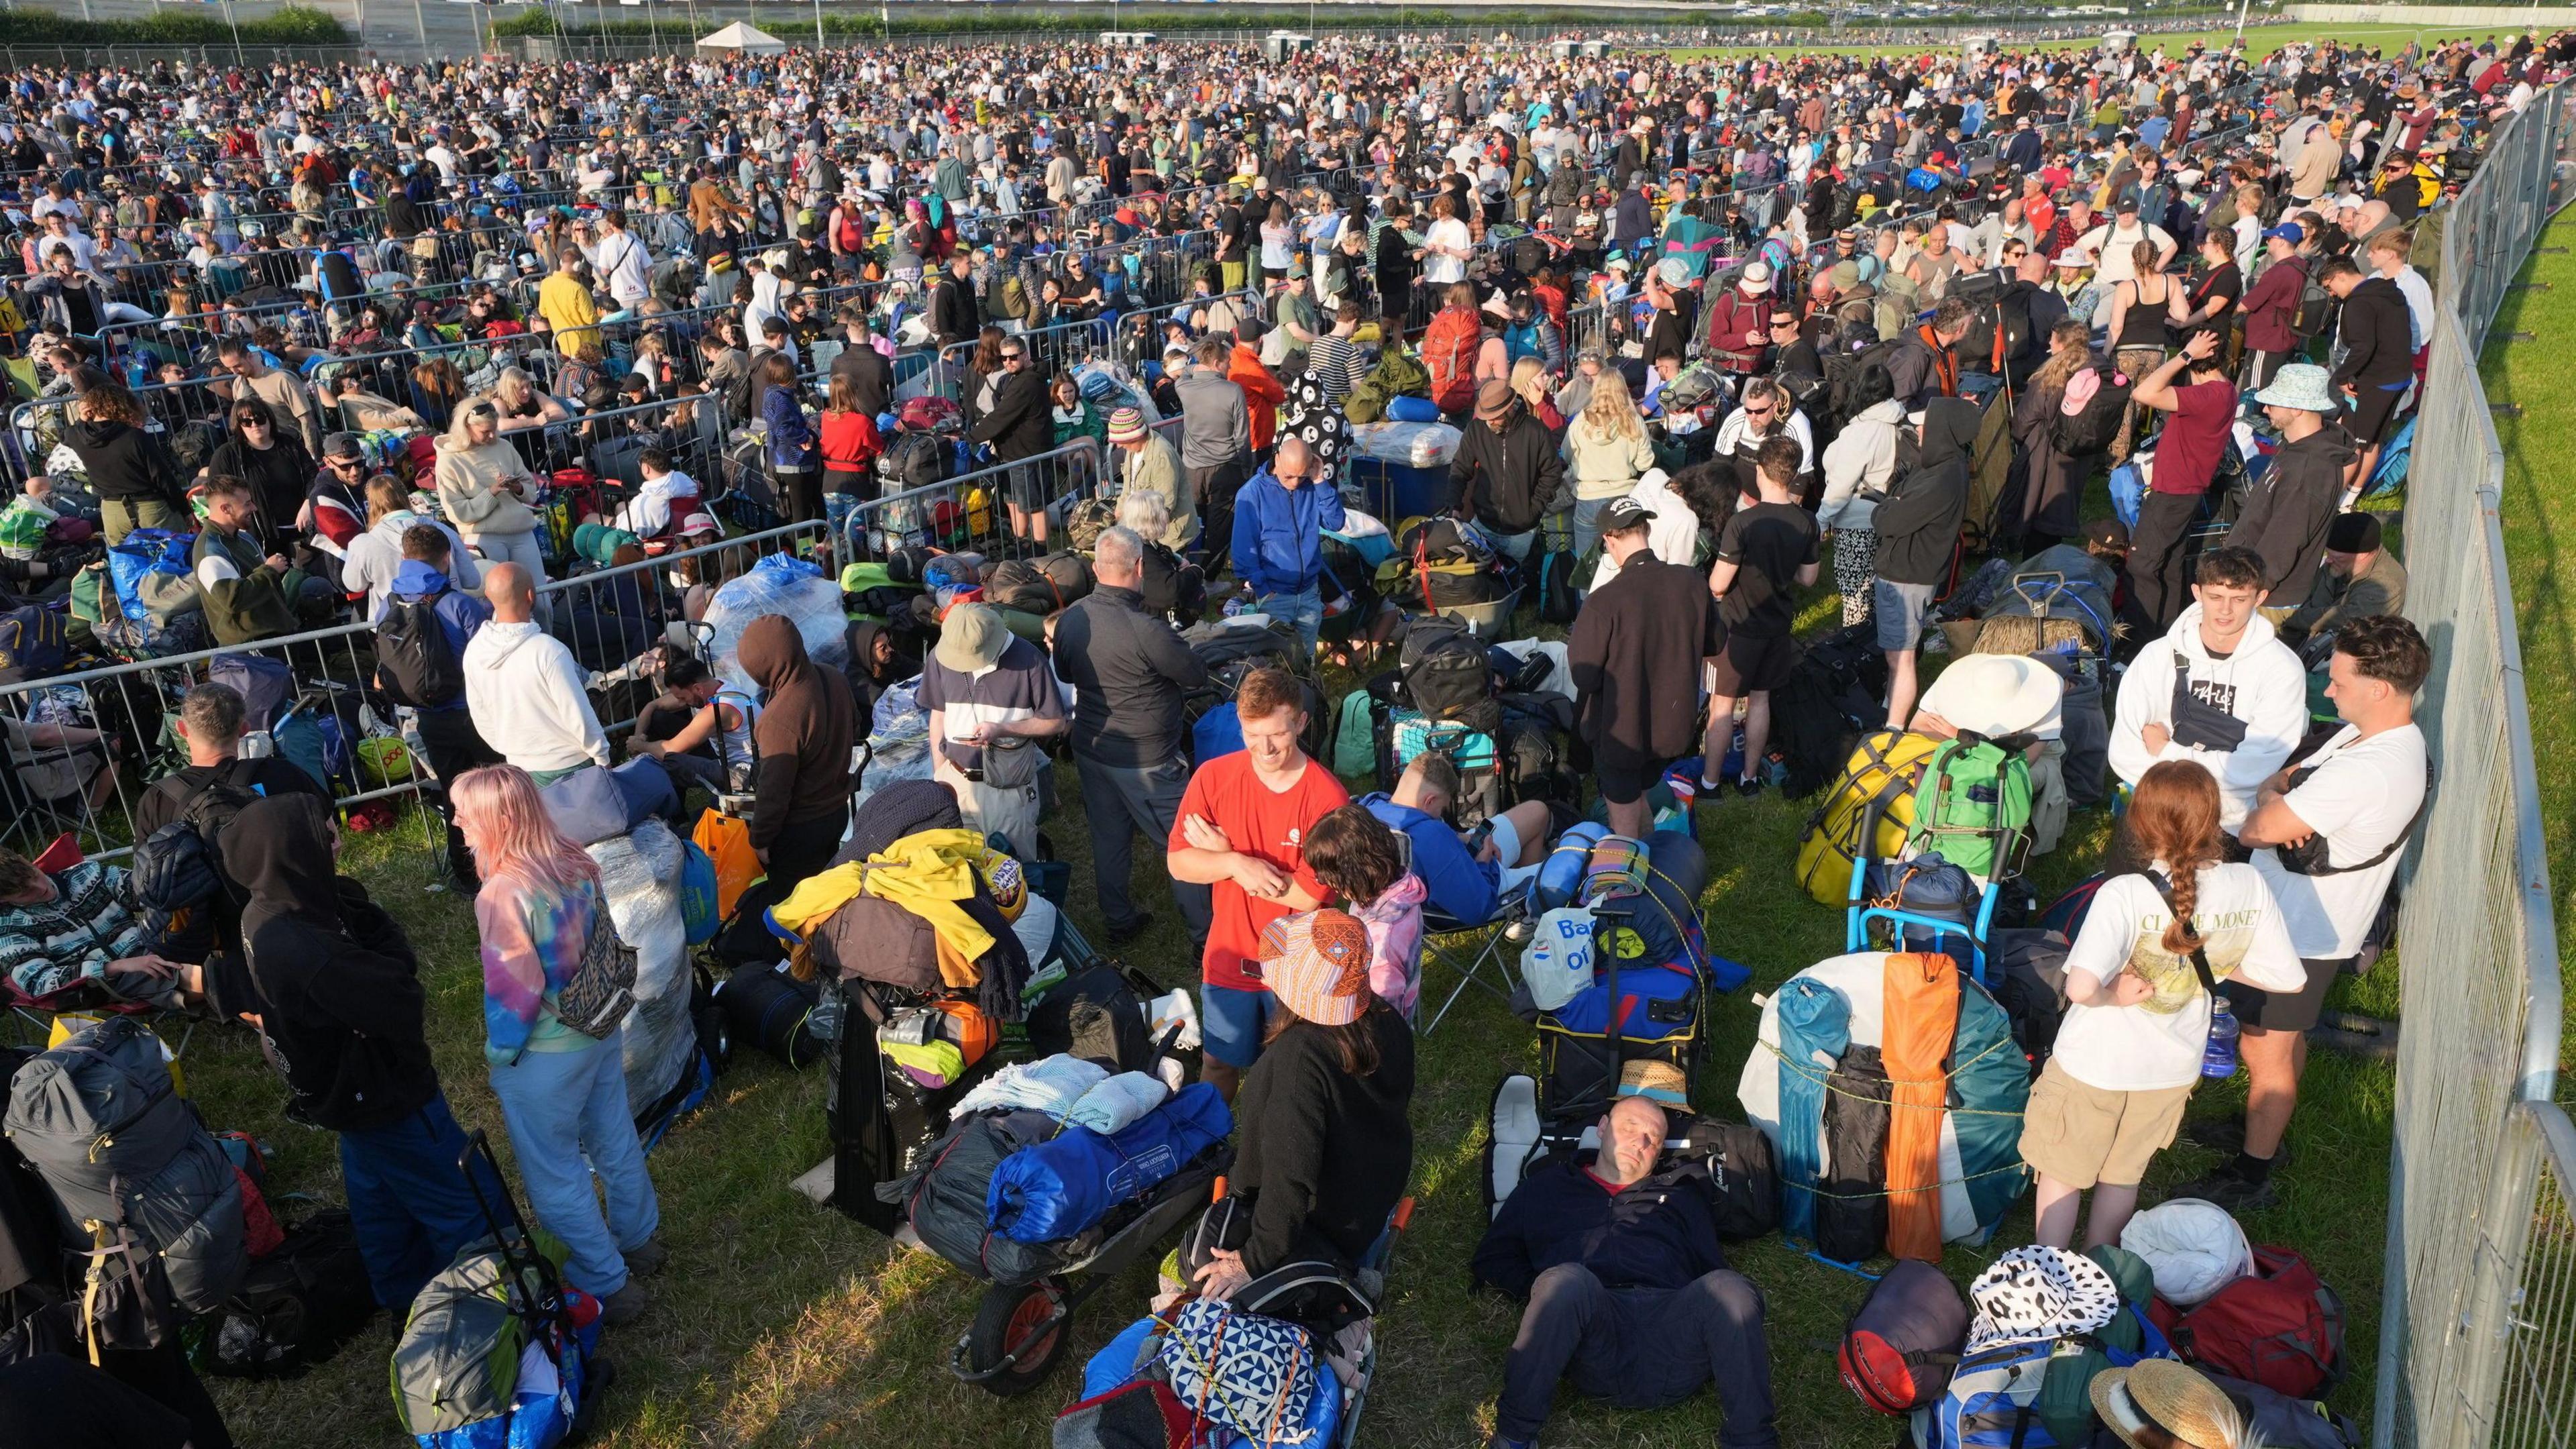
[[328, 973], [1918, 522], [126, 464]]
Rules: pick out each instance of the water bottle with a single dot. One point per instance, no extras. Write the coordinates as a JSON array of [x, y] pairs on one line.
[[2218, 1059], [1234, 606]]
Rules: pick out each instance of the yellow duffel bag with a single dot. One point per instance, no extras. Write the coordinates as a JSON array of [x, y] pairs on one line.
[[1882, 773]]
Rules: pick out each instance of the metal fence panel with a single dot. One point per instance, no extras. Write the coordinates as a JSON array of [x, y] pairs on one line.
[[2475, 1338]]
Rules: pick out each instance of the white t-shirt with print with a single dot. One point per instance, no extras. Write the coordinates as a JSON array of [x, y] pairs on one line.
[[2157, 1043], [2361, 799]]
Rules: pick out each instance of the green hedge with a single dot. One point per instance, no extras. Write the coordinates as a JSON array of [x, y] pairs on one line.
[[293, 25]]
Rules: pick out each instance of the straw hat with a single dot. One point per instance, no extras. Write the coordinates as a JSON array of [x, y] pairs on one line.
[[2167, 1395]]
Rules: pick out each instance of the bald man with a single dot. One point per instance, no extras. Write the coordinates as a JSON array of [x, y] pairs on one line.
[[523, 688], [1279, 523], [1628, 1290]]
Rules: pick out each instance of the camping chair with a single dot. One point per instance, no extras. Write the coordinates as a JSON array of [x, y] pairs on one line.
[[1473, 952]]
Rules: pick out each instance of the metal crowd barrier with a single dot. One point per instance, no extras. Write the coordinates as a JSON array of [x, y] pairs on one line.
[[2478, 1318]]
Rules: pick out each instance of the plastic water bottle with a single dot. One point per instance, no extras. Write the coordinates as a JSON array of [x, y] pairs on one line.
[[2218, 1059]]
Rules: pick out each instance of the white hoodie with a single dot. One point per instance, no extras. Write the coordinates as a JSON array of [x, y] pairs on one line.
[[2260, 683], [525, 693], [1672, 535]]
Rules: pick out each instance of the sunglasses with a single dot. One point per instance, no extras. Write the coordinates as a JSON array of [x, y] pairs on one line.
[[351, 463], [1763, 411], [251, 422]]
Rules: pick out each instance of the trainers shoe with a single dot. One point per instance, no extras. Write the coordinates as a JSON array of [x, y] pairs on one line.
[[2237, 1195], [1749, 786], [1121, 935], [625, 1305], [646, 1258]]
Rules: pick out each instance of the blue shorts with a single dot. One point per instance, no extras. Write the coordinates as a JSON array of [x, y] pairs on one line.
[[1231, 1020]]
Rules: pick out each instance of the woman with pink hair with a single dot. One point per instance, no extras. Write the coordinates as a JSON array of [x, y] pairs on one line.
[[562, 1089]]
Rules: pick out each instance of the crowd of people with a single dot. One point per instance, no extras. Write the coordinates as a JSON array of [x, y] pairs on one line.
[[1722, 336]]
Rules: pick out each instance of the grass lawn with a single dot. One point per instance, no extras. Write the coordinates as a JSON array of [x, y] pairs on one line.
[[778, 1323], [2260, 40], [2539, 512]]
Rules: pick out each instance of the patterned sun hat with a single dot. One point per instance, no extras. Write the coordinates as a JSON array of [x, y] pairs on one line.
[[1317, 965]]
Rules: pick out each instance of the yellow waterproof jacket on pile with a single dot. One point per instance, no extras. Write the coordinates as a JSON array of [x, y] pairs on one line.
[[926, 875]]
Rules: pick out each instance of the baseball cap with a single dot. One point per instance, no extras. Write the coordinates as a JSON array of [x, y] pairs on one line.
[[1624, 514], [2288, 231]]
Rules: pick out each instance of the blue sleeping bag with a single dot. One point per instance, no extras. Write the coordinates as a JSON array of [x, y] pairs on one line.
[[1665, 917], [146, 550], [1052, 1190]]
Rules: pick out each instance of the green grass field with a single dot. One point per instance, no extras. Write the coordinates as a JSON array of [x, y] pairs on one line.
[[779, 1323], [2539, 514]]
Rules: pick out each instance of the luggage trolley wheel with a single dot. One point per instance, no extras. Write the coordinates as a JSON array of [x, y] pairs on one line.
[[1018, 1334]]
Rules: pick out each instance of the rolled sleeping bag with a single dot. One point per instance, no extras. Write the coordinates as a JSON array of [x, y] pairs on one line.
[[767, 1006], [1057, 1188]]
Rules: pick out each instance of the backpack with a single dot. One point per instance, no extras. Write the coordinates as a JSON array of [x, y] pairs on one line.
[[916, 460], [1842, 376], [1039, 585], [2090, 414], [1833, 693], [415, 663], [1090, 518], [34, 643], [1900, 1344], [1973, 801], [1444, 674], [1994, 1394], [742, 395], [2316, 309], [1990, 474], [1882, 779], [178, 874], [145, 1194], [1734, 1162], [1096, 1014], [2279, 1326], [297, 1304]]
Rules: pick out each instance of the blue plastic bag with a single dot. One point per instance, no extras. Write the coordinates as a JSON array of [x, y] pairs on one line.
[[698, 893], [146, 550]]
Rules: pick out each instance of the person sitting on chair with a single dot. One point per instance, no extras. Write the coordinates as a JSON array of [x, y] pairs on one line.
[[1468, 878], [1627, 1290]]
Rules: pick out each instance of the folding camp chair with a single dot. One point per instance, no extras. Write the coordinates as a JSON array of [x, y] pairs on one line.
[[1475, 953]]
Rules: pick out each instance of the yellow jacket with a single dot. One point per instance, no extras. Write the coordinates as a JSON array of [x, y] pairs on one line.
[[569, 310], [926, 873]]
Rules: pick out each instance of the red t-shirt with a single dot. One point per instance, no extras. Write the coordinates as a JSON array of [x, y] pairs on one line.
[[2187, 454], [1267, 825]]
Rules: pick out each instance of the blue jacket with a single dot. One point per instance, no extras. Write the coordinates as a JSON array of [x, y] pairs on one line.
[[1456, 882], [1657, 1233], [460, 615], [1279, 533], [792, 439]]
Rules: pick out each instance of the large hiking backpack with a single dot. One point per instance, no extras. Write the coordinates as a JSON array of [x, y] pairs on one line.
[[415, 663], [1973, 805], [1397, 374], [1734, 1162], [1445, 675], [2089, 415], [145, 1194], [2279, 1326], [1899, 1346], [1880, 782], [1835, 692]]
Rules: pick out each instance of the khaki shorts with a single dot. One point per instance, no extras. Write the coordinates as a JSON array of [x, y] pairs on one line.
[[2084, 1136]]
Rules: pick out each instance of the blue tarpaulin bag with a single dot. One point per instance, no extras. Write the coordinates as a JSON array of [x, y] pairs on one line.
[[1052, 1190], [146, 550], [698, 893]]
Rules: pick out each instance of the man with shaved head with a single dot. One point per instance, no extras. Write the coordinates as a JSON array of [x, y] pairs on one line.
[[1628, 1290], [1279, 523], [523, 688]]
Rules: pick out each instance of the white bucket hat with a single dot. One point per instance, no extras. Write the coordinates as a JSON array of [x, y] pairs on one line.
[[2301, 385], [2000, 694]]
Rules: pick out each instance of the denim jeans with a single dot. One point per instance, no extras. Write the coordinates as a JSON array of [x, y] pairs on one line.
[[568, 1118], [408, 1204], [1305, 609], [1587, 522]]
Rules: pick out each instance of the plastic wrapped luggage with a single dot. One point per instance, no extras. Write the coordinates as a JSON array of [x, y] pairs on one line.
[[639, 874], [778, 584], [1411, 445]]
